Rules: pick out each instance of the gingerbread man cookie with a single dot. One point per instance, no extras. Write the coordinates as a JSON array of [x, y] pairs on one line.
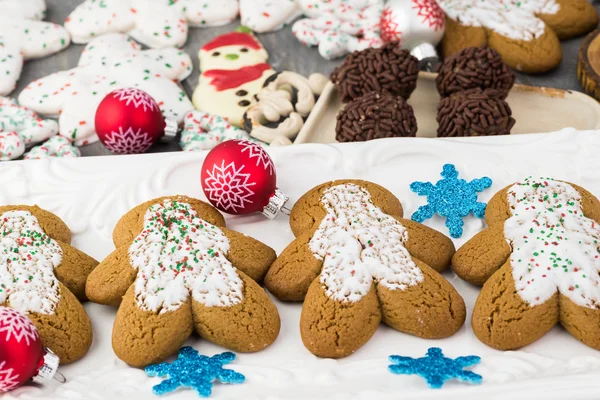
[[24, 37], [42, 276], [525, 32], [356, 262], [155, 23], [538, 262], [108, 63], [177, 269], [234, 68], [340, 27]]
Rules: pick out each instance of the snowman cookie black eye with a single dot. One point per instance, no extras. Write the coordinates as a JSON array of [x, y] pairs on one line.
[[244, 103], [244, 50], [241, 93], [216, 54]]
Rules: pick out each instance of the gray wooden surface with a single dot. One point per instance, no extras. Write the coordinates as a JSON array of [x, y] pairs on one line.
[[286, 54]]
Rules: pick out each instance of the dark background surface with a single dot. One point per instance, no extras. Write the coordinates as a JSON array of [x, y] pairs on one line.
[[286, 53]]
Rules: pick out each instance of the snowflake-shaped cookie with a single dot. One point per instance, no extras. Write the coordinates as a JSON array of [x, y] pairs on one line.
[[339, 27], [435, 368], [452, 198], [177, 269], [24, 37], [356, 262], [43, 277], [21, 128], [525, 32], [194, 371], [539, 262], [108, 63]]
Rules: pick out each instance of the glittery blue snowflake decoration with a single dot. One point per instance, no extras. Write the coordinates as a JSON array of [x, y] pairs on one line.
[[194, 371], [436, 368], [452, 198]]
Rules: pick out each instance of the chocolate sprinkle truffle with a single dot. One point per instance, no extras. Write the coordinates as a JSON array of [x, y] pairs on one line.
[[474, 113], [386, 68], [373, 116], [474, 67]]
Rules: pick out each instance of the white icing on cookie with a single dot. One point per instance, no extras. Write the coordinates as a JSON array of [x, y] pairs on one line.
[[554, 246], [28, 258], [268, 15], [359, 244], [108, 63], [514, 19], [155, 23], [179, 253], [339, 27], [24, 37], [204, 131], [55, 147]]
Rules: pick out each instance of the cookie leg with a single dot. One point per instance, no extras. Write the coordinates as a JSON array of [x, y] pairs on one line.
[[109, 281], [68, 331], [334, 330], [74, 270], [482, 255], [502, 320], [459, 37], [142, 337], [581, 322], [575, 18], [246, 327], [432, 309], [249, 255], [428, 245], [294, 270]]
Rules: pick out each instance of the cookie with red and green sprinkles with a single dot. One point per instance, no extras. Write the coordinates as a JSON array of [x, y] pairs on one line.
[[43, 277], [23, 37], [538, 262], [176, 270]]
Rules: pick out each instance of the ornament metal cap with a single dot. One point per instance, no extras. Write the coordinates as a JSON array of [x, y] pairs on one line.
[[48, 369], [427, 56], [276, 205], [171, 128]]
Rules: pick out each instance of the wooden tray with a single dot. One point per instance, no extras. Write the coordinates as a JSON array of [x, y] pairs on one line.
[[536, 110], [588, 65]]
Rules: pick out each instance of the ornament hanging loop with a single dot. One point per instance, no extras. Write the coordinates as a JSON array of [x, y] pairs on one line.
[[58, 377]]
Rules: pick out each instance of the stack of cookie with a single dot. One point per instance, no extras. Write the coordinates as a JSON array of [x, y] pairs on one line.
[[473, 85]]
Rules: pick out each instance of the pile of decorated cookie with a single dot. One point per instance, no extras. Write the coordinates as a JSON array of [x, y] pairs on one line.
[[239, 95]]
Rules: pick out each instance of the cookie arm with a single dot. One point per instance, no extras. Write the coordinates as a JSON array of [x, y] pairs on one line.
[[249, 255], [109, 281], [292, 273], [482, 255], [74, 269], [428, 245]]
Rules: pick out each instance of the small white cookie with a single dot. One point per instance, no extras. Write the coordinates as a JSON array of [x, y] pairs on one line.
[[234, 68], [154, 23], [108, 63], [339, 27], [268, 15], [24, 37], [204, 131], [55, 147]]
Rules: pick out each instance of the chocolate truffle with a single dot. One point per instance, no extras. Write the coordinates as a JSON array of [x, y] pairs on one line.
[[387, 68], [474, 67], [373, 116], [474, 113]]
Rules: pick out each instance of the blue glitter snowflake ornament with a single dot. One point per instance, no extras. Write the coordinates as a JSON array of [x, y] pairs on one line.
[[194, 371], [452, 198], [436, 368]]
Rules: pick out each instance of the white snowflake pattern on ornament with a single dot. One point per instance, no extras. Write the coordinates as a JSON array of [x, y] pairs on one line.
[[256, 151], [138, 97], [228, 188], [128, 142], [16, 325], [8, 379]]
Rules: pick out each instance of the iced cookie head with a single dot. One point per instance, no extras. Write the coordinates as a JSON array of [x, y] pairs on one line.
[[232, 51]]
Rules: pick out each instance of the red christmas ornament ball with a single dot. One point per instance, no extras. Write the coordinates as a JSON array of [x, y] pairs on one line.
[[22, 356], [129, 121], [238, 177]]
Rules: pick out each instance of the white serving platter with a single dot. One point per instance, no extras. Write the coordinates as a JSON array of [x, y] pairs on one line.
[[91, 193]]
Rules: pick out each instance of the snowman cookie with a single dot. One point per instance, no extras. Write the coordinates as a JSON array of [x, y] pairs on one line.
[[24, 37], [234, 69], [108, 63], [155, 23]]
